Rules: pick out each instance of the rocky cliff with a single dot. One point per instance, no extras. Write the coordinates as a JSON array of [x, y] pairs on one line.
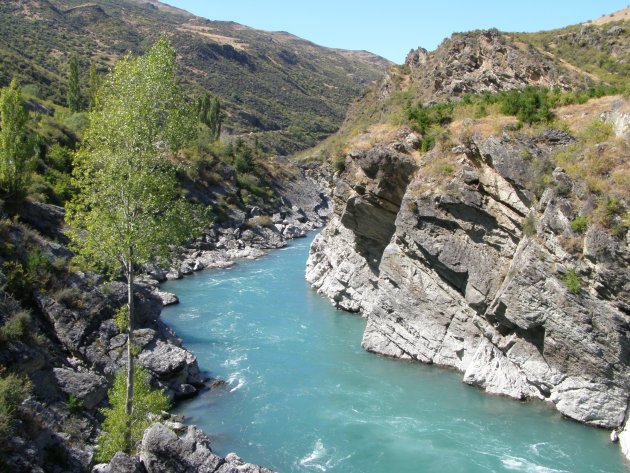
[[469, 256]]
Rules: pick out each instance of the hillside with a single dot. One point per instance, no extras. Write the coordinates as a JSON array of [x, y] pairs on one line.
[[577, 61], [290, 92]]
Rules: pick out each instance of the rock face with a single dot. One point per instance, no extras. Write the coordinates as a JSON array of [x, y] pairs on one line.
[[462, 269], [483, 61], [370, 200]]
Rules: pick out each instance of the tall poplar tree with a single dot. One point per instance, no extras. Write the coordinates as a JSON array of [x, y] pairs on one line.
[[17, 151], [128, 209], [215, 119], [74, 85]]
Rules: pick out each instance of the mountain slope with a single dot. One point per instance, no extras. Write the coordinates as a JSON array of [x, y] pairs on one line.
[[575, 58], [288, 90]]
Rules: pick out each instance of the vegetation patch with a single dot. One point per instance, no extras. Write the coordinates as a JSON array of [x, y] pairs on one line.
[[13, 390], [572, 281]]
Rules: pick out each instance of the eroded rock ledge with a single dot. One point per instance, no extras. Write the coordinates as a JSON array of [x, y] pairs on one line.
[[163, 450], [458, 264]]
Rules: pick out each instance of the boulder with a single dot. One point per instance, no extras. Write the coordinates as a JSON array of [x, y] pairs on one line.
[[87, 386], [121, 463], [163, 451], [167, 298]]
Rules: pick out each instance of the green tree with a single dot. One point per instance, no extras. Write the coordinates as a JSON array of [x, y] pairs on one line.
[[209, 113], [203, 108], [147, 401], [215, 119], [74, 86], [94, 83], [128, 209], [17, 148]]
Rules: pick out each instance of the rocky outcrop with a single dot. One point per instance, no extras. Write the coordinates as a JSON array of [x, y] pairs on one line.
[[363, 228], [454, 261], [162, 450], [483, 61], [247, 233]]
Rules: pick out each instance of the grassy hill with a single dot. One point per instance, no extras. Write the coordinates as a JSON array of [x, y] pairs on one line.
[[288, 91]]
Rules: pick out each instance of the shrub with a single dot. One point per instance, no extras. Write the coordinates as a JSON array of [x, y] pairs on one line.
[[339, 164], [597, 132], [17, 327], [19, 282], [579, 224], [572, 281], [121, 318], [69, 296], [74, 404], [77, 122], [13, 390], [260, 221], [253, 184], [530, 105], [529, 225], [59, 158], [145, 402], [525, 154], [542, 176], [423, 118], [38, 262], [613, 207]]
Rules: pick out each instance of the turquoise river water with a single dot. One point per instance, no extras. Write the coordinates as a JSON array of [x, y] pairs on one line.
[[302, 396]]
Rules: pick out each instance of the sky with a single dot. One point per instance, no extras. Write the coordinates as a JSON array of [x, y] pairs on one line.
[[391, 28]]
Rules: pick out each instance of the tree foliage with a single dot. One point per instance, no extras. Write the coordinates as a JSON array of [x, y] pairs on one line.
[[75, 103], [215, 119], [128, 207], [146, 401], [94, 83], [17, 148]]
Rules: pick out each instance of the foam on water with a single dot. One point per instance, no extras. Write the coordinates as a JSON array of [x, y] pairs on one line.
[[311, 460], [520, 464], [302, 395]]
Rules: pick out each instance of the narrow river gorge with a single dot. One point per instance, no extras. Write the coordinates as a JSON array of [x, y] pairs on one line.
[[301, 394]]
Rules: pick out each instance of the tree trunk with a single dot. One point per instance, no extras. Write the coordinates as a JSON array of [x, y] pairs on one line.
[[130, 356]]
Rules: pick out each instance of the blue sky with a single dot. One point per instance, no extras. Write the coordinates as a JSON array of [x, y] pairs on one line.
[[392, 27]]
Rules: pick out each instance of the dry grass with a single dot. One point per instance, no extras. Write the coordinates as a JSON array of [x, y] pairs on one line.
[[604, 168], [483, 127], [205, 32], [381, 133], [579, 117], [621, 15]]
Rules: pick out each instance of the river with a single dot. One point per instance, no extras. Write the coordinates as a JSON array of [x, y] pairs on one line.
[[302, 396]]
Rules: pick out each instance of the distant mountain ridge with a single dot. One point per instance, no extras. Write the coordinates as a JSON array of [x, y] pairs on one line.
[[287, 90]]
